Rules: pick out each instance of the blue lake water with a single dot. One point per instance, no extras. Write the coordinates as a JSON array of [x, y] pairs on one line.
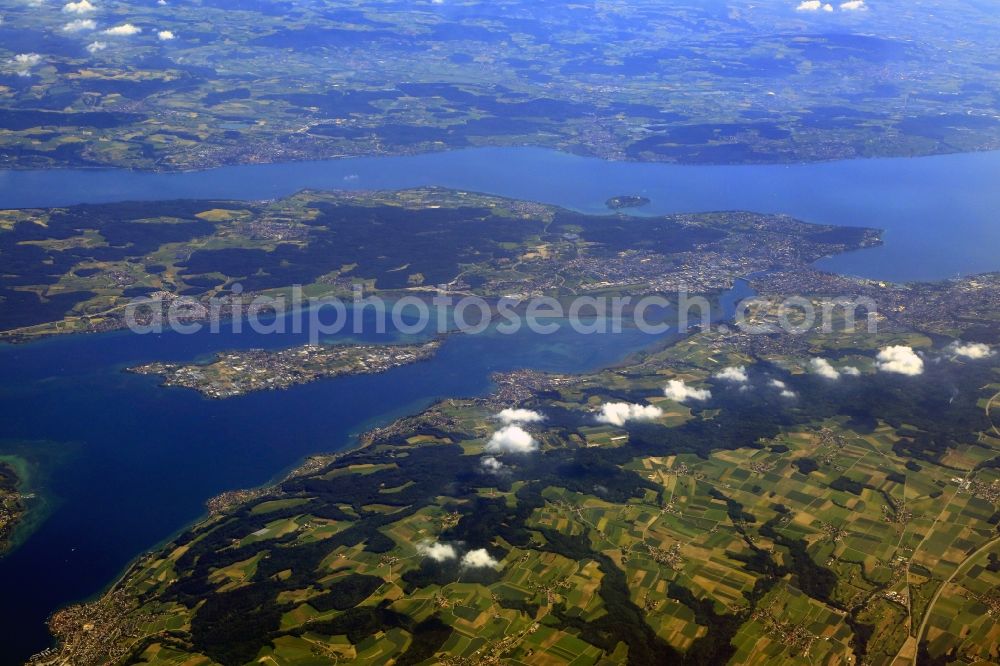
[[939, 212], [124, 464], [138, 461]]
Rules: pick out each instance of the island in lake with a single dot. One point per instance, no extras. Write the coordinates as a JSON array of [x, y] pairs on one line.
[[237, 373], [626, 201], [11, 504]]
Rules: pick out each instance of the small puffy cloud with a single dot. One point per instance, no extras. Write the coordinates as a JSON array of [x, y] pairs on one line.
[[439, 552], [734, 373], [808, 6], [22, 63], [479, 559], [678, 391], [973, 350], [509, 416], [94, 47], [899, 359], [79, 25], [813, 6], [853, 6], [618, 413], [123, 30], [81, 7], [165, 35], [511, 439], [27, 59], [823, 368], [491, 465], [785, 392]]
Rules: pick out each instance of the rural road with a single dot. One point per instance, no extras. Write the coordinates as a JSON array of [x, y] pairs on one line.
[[930, 606]]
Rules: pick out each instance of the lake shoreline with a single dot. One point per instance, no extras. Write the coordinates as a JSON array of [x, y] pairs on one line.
[[451, 149], [907, 197]]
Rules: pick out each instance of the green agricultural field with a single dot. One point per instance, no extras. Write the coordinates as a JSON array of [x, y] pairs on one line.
[[852, 521], [688, 83]]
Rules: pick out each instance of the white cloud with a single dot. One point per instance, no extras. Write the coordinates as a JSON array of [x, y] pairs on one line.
[[79, 25], [511, 439], [899, 359], [509, 416], [81, 7], [853, 6], [439, 552], [678, 391], [165, 35], [94, 47], [27, 59], [22, 63], [618, 413], [814, 6], [491, 465], [123, 30], [783, 387], [734, 373], [973, 350], [850, 371], [823, 368], [478, 559]]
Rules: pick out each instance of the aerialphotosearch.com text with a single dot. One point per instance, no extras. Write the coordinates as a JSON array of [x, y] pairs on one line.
[[442, 313]]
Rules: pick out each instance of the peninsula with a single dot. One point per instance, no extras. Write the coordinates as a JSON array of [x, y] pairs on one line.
[[78, 269]]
